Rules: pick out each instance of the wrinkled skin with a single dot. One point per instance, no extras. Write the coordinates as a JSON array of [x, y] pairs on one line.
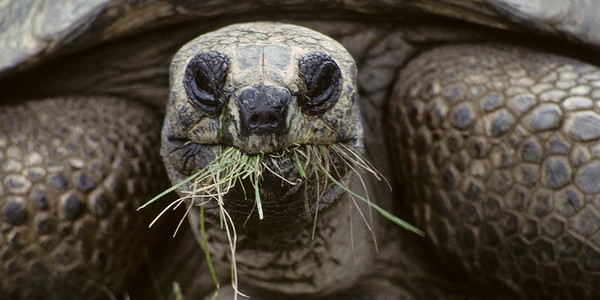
[[278, 249], [193, 133], [492, 150]]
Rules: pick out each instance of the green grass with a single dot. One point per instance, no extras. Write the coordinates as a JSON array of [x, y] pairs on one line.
[[233, 166]]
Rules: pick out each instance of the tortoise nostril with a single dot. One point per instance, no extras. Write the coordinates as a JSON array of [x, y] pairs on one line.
[[264, 122], [271, 118], [263, 108], [254, 120]]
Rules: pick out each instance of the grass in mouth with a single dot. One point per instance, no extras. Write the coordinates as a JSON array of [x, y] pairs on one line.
[[232, 166]]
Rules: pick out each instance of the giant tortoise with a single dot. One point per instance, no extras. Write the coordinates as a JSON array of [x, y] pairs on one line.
[[484, 116]]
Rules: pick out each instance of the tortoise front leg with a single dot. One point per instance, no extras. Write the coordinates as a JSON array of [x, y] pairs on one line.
[[498, 150], [73, 172]]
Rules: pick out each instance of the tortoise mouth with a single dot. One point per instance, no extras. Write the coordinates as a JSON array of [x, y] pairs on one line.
[[267, 192]]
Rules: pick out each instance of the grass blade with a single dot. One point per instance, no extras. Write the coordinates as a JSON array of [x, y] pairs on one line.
[[299, 165], [232, 166], [174, 187], [382, 211], [257, 174], [204, 240], [177, 293]]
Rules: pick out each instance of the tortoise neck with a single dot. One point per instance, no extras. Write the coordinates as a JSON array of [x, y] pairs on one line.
[[317, 260]]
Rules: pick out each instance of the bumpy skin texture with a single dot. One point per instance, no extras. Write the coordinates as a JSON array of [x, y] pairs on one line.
[[74, 171], [263, 55], [136, 67], [277, 254], [267, 53], [499, 147]]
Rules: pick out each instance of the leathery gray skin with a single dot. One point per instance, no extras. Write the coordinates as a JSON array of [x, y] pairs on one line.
[[489, 136], [264, 63]]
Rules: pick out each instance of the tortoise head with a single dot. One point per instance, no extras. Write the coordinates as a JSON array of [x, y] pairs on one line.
[[268, 91]]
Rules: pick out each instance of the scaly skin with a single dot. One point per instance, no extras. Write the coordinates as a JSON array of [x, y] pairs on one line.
[[277, 254], [71, 183], [381, 52], [499, 148]]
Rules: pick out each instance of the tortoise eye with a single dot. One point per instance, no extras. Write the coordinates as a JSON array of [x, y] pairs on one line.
[[204, 81], [323, 80]]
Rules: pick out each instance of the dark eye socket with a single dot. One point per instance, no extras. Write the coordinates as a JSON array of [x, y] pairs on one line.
[[204, 81], [323, 80]]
